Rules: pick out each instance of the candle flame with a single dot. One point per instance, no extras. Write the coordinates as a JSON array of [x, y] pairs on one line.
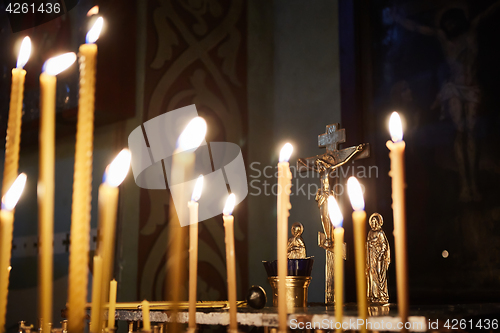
[[93, 11], [395, 127], [230, 202], [56, 65], [286, 152], [198, 187], [24, 52], [12, 196], [193, 134], [334, 211], [355, 194], [118, 169], [95, 31]]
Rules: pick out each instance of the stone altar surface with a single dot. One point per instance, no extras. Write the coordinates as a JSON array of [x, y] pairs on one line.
[[316, 314]]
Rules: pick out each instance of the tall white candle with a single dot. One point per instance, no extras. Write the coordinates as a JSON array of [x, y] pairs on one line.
[[46, 179], [193, 251], [9, 201], [397, 173], [13, 138], [338, 233], [182, 165], [230, 261], [82, 184], [359, 221], [115, 174], [283, 209]]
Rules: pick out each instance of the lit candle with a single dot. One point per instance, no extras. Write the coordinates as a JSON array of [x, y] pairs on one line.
[[13, 139], [193, 251], [230, 261], [182, 165], [45, 188], [359, 221], [283, 209], [108, 205], [82, 184], [9, 201], [338, 236], [397, 173], [95, 309], [146, 321], [112, 304]]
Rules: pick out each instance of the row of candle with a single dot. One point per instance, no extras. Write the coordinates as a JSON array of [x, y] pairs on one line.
[[283, 202], [81, 201], [80, 219], [197, 128], [396, 147], [182, 164]]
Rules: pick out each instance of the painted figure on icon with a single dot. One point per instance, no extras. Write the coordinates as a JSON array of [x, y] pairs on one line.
[[460, 94]]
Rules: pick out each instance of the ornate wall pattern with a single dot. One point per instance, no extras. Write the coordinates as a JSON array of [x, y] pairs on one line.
[[196, 54]]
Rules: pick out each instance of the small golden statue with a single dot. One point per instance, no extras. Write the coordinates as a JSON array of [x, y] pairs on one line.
[[296, 246], [378, 258]]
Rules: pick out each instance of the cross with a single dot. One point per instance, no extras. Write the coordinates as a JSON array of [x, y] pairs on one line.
[[324, 164], [66, 242], [333, 136]]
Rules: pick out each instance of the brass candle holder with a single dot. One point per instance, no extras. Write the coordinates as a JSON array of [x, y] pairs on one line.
[[299, 271], [296, 290]]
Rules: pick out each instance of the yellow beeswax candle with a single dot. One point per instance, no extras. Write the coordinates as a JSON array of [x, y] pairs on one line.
[[338, 234], [338, 237], [146, 321], [182, 165], [45, 188], [9, 201], [112, 304], [13, 138], [108, 206], [82, 183], [359, 226], [6, 229], [96, 309], [283, 211], [193, 251], [397, 173], [230, 261]]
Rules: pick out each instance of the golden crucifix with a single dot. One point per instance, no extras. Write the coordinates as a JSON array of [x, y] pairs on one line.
[[325, 165]]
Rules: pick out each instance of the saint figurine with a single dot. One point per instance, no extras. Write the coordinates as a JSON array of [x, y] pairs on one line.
[[378, 258], [296, 246]]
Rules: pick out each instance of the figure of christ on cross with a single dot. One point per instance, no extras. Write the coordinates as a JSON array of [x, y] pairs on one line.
[[325, 165]]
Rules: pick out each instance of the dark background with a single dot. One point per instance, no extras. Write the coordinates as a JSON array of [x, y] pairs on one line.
[[400, 70]]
